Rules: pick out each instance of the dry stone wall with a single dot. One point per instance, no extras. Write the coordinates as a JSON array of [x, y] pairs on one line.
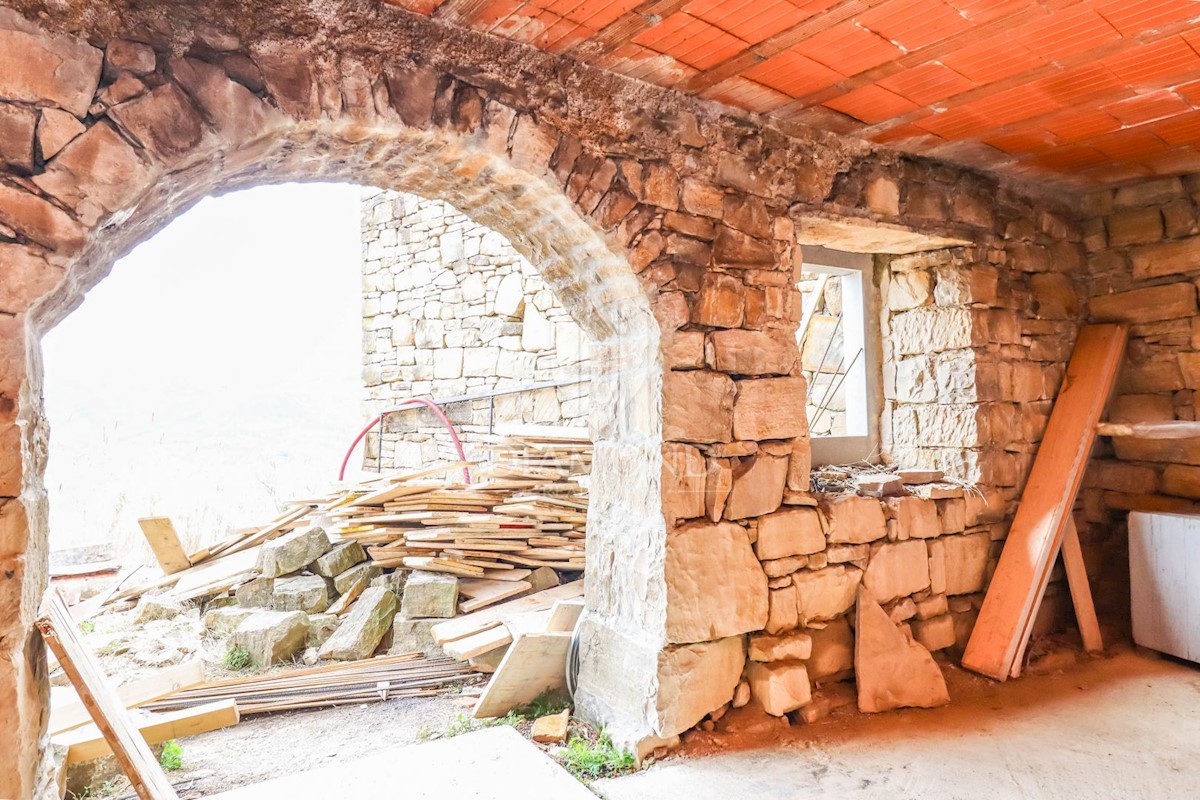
[[450, 308]]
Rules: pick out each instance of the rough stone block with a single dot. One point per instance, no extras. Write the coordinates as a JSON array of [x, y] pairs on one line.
[[429, 594], [365, 571], [320, 628], [916, 517], [226, 620], [853, 519], [697, 407], [790, 532], [891, 670], [832, 649], [1169, 258], [151, 607], [757, 487], [1156, 303], [781, 611], [409, 635], [742, 352], [683, 479], [307, 593], [721, 303], [292, 551], [715, 585], [272, 636], [780, 686], [61, 70], [966, 559], [770, 408], [935, 633], [339, 559], [695, 680], [825, 593], [779, 648], [362, 629], [543, 578], [896, 570], [256, 593]]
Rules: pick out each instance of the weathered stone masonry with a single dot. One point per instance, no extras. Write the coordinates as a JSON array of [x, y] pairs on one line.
[[451, 309], [701, 445]]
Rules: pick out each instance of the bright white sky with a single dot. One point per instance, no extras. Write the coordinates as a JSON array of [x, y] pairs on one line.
[[215, 372]]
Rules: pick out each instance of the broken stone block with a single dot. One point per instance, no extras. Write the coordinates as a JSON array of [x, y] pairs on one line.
[[742, 352], [320, 628], [770, 408], [891, 670], [695, 680], [934, 633], [307, 593], [364, 627], [848, 553], [543, 578], [366, 572], [292, 551], [409, 635], [854, 519], [897, 569], [715, 585], [781, 610], [741, 695], [915, 516], [779, 648], [781, 567], [903, 610], [56, 130], [338, 560], [683, 474], [789, 533], [551, 728], [429, 594], [952, 515], [757, 487], [256, 593], [718, 482], [697, 406], [932, 606], [225, 620], [825, 593], [272, 636], [832, 649], [393, 581], [966, 559], [879, 485], [152, 607], [780, 686]]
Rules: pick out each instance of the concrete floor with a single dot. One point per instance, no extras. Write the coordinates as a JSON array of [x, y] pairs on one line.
[[1121, 726]]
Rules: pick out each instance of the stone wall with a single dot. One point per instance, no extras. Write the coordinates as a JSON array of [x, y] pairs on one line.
[[450, 308], [1143, 244]]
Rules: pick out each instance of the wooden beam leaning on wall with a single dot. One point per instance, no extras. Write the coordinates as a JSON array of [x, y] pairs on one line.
[[164, 541], [997, 644], [108, 712]]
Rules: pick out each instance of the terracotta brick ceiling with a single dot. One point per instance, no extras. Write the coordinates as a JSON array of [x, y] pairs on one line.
[[1089, 92]]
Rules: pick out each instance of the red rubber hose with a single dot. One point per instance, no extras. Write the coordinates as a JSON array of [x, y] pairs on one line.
[[432, 406]]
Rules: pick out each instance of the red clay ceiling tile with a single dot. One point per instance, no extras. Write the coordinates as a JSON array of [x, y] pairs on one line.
[[753, 21], [1032, 140], [1069, 158], [958, 123], [849, 49], [980, 11], [1148, 107], [903, 133], [1176, 161], [1067, 32], [927, 83], [737, 91], [495, 13], [991, 60], [1132, 17], [1077, 124], [595, 14], [793, 74], [1013, 105], [913, 24], [690, 40], [642, 63], [871, 104], [1081, 84], [1181, 130], [1190, 92], [1131, 144], [1154, 64]]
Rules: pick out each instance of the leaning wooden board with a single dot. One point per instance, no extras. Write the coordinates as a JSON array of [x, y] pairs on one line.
[[1002, 629], [536, 663], [492, 616], [164, 541], [108, 712], [70, 712], [87, 743]]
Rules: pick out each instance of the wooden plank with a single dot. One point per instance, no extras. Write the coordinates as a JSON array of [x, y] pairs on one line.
[[1178, 429], [216, 571], [87, 743], [1164, 567], [107, 711], [71, 713], [1033, 541], [477, 644], [565, 615], [466, 625], [1081, 592], [535, 663], [483, 593], [164, 541]]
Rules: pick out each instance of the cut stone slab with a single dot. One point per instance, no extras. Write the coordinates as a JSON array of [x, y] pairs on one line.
[[695, 680], [966, 559], [272, 636], [339, 559], [854, 519], [292, 551], [832, 649], [152, 607], [825, 593], [892, 670], [429, 594], [226, 620], [366, 572], [898, 569], [363, 628], [410, 635], [757, 486], [791, 532], [796, 645], [255, 593], [935, 633], [307, 593], [780, 686], [715, 585], [551, 728]]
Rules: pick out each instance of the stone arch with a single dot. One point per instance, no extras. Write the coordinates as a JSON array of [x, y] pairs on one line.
[[199, 133]]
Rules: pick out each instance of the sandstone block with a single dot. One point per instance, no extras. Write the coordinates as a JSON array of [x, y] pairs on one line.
[[39, 220], [429, 594], [757, 487], [782, 614], [696, 679], [292, 551], [551, 728], [56, 130], [718, 482], [909, 289], [742, 352], [362, 629], [800, 466], [163, 121], [320, 628], [37, 69], [1171, 301], [715, 585], [307, 593], [339, 559], [272, 636], [542, 578], [935, 633], [966, 559], [256, 593], [151, 607], [896, 570], [365, 572], [409, 635], [832, 649], [916, 516], [933, 606], [97, 172], [770, 408], [796, 645], [825, 593], [683, 478], [17, 126], [791, 532], [891, 670], [697, 407], [780, 686], [226, 620], [1170, 258], [721, 303], [853, 519]]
